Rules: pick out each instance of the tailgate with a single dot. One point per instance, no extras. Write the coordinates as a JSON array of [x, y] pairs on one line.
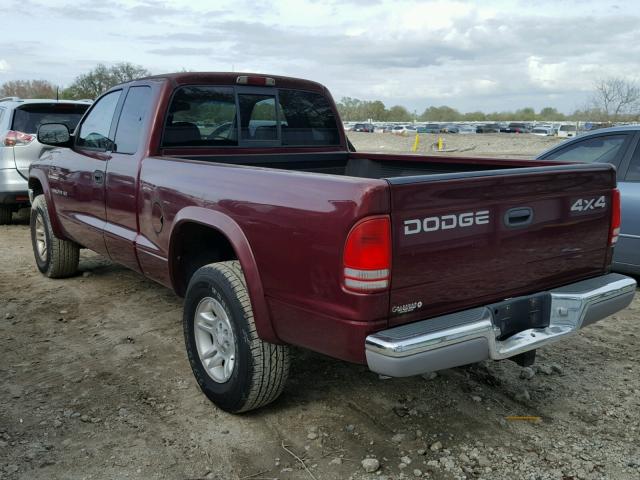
[[463, 240]]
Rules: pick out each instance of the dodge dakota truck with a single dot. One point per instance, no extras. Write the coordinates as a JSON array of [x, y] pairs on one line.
[[242, 193]]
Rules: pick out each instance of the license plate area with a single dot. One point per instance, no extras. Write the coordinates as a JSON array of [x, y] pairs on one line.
[[517, 314]]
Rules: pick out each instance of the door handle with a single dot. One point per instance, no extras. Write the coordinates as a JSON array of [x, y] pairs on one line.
[[98, 177], [518, 217]]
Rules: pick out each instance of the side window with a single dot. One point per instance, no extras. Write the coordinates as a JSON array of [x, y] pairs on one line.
[[633, 174], [258, 119], [1, 115], [94, 131], [201, 116], [134, 112], [601, 149]]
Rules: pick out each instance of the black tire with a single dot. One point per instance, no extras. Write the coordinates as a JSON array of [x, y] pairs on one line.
[[260, 369], [61, 257], [5, 215]]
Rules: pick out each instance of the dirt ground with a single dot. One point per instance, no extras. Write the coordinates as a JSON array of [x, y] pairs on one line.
[[95, 384], [478, 145]]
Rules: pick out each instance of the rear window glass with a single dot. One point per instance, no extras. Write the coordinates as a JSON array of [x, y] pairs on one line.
[[309, 119], [28, 118], [258, 117], [568, 128], [206, 116], [602, 149], [201, 116]]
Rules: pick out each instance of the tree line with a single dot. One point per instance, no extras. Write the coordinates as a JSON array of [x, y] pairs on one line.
[[86, 86], [613, 99], [354, 109]]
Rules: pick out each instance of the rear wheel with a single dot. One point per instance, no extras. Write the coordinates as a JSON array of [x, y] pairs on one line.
[[235, 368], [5, 215], [55, 257]]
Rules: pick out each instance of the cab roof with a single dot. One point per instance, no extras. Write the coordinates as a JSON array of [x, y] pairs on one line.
[[231, 78]]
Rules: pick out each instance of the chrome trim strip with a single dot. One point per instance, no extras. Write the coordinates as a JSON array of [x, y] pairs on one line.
[[569, 307]]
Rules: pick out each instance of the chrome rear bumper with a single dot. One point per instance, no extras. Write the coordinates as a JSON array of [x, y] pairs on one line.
[[471, 336]]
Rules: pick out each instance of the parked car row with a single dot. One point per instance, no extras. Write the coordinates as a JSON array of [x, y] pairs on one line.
[[19, 146], [560, 130]]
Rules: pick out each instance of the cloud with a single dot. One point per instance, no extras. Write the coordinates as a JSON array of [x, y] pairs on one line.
[[417, 53], [4, 65], [180, 51]]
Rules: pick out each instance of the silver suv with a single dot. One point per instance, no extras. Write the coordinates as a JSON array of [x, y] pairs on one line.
[[19, 122]]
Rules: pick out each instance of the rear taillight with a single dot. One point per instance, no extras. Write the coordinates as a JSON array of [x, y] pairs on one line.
[[367, 256], [614, 230], [14, 138]]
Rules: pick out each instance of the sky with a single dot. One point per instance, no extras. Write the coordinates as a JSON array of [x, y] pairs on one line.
[[486, 55]]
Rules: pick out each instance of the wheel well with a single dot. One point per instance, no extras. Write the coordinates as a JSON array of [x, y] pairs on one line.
[[197, 245], [35, 185]]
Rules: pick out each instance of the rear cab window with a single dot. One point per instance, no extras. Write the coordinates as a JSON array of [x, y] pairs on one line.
[[211, 116], [258, 117], [27, 118], [201, 116]]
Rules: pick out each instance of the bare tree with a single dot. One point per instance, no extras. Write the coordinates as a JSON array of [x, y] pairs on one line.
[[616, 97], [28, 89]]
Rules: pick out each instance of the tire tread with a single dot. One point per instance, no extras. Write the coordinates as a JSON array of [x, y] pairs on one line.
[[270, 362], [64, 255]]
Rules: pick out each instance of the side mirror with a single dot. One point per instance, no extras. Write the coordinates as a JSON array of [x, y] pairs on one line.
[[54, 134]]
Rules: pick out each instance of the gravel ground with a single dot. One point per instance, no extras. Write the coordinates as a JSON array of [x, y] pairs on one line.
[[95, 384], [486, 144]]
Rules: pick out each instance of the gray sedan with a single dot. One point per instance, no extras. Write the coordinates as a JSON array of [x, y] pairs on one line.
[[619, 146]]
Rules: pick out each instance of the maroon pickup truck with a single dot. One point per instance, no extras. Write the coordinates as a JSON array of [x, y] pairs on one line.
[[242, 194]]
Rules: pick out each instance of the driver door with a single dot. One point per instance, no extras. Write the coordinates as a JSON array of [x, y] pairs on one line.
[[80, 175]]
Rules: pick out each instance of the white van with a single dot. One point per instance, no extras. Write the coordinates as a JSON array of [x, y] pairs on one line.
[[567, 130]]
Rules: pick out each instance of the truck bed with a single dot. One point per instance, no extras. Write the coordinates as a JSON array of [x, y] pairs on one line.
[[449, 268], [367, 165]]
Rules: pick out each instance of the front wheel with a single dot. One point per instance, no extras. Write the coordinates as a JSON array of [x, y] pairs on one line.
[[55, 257], [234, 368]]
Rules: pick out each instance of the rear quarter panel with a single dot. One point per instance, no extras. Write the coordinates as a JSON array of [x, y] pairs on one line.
[[295, 225]]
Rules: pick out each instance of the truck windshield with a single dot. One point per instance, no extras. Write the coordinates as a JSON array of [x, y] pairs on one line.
[[209, 116]]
